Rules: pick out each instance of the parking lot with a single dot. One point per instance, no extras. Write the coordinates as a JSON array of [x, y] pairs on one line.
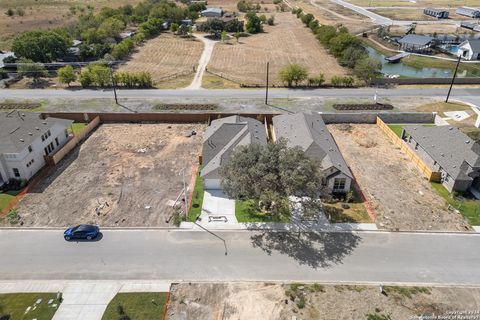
[[401, 196], [122, 175]]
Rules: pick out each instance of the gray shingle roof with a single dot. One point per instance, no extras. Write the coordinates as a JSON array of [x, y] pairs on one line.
[[448, 146], [435, 10], [310, 133], [18, 130], [474, 44], [221, 138], [416, 39], [213, 10]]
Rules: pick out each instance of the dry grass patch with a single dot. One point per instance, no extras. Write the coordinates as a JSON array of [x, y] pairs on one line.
[[286, 42], [165, 57], [417, 3]]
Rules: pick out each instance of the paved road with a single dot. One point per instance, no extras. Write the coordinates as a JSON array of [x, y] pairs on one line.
[[197, 255], [235, 93]]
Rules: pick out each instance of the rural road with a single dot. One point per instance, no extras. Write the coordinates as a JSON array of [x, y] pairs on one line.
[[202, 62], [377, 257]]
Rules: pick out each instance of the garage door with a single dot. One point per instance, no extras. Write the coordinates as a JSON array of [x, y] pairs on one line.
[[212, 184]]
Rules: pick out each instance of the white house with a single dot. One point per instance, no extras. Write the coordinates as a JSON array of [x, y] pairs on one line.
[[469, 50], [25, 139], [212, 13], [309, 132]]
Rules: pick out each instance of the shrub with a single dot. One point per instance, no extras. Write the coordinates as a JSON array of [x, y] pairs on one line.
[[316, 81], [122, 49], [20, 12], [301, 302], [13, 217], [10, 12], [86, 78], [254, 23], [271, 21], [66, 75], [293, 74]]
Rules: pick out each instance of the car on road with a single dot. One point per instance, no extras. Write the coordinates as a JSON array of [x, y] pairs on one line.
[[82, 231]]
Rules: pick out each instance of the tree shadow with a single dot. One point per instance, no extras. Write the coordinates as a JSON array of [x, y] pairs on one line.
[[314, 249]]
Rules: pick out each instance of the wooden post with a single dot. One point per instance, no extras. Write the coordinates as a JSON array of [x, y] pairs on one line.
[[266, 87]]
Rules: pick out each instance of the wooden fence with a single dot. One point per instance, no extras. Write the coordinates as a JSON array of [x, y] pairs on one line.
[[72, 143], [417, 161]]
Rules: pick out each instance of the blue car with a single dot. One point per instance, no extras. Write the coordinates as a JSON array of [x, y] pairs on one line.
[[83, 231]]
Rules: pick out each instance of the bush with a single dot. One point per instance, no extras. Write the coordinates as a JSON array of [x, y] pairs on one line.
[[132, 80], [10, 12], [86, 78], [20, 12], [271, 21], [316, 81], [254, 23], [66, 75], [122, 49], [346, 81], [293, 74], [13, 217], [301, 302]]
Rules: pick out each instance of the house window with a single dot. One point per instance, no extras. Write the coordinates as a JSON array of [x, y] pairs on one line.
[[339, 184], [30, 149], [43, 137], [56, 140], [16, 173], [48, 133]]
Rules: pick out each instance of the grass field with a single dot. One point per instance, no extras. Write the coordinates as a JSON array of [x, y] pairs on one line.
[[15, 305], [413, 13], [45, 14], [137, 306], [286, 42], [469, 208], [246, 212], [164, 57]]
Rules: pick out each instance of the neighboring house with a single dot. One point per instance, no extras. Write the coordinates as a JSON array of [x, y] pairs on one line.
[[5, 54], [310, 133], [447, 150], [415, 43], [221, 138], [212, 12], [469, 50], [470, 25], [186, 22], [436, 13], [468, 12], [25, 139]]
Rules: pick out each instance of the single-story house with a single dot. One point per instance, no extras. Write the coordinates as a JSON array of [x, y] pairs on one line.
[[436, 13], [468, 12], [310, 133], [415, 43], [469, 49], [221, 138], [25, 139], [212, 12], [447, 150]]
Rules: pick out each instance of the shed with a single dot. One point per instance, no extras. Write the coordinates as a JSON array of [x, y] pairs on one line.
[[437, 13], [415, 43], [212, 12], [469, 12]]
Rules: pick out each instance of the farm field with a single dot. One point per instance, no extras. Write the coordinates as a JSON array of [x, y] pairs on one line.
[[122, 175], [401, 196], [288, 41], [413, 14], [329, 13], [45, 14], [171, 60]]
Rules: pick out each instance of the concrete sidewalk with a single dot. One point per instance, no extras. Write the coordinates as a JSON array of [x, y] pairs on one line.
[[83, 300]]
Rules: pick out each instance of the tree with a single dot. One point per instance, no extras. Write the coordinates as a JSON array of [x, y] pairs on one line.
[[66, 75], [224, 36], [306, 19], [269, 174], [254, 24], [40, 46], [10, 12], [293, 73], [351, 55], [174, 27], [340, 42], [234, 26], [367, 69], [110, 28], [28, 68], [237, 36]]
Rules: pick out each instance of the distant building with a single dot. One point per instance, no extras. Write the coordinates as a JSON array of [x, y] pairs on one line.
[[416, 43], [212, 12], [220, 140], [25, 139], [436, 13], [447, 150], [186, 22], [469, 12], [469, 50], [310, 133]]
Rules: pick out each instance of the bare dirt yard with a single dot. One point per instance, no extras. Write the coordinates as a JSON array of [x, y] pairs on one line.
[[288, 41], [122, 175], [401, 196], [166, 57], [416, 3], [45, 14], [315, 302]]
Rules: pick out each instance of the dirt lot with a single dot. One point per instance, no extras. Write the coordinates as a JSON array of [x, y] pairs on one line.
[[165, 56], [45, 14], [416, 3], [401, 196], [246, 61], [134, 168], [329, 302]]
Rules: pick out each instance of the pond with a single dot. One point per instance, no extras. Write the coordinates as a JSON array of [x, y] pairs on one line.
[[410, 72]]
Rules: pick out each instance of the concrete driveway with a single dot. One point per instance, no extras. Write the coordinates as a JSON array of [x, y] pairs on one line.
[[216, 203]]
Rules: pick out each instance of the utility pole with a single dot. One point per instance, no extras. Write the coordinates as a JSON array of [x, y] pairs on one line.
[[453, 78], [114, 85], [266, 87], [184, 192]]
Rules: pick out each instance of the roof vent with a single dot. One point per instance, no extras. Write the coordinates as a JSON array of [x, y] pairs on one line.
[[22, 140], [443, 155], [467, 142], [36, 128], [30, 134], [451, 128], [44, 122]]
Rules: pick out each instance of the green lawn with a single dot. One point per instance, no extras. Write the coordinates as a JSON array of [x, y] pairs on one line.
[[15, 305], [197, 200], [356, 213], [137, 306], [76, 127], [5, 199], [397, 128], [246, 212], [469, 208]]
